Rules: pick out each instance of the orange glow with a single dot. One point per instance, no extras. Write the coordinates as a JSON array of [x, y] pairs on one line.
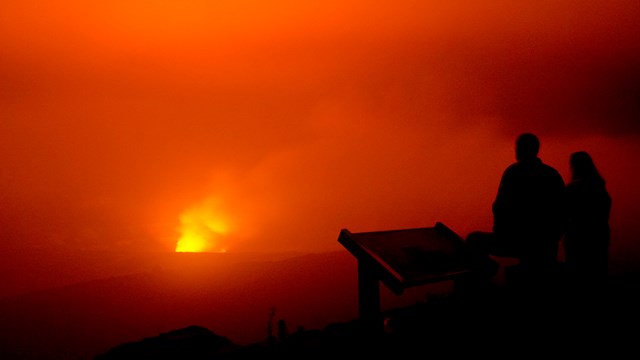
[[201, 231], [142, 136]]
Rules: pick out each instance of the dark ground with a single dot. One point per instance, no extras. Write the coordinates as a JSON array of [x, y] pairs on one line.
[[513, 319]]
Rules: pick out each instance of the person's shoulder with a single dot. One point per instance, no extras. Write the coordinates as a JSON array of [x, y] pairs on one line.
[[513, 167], [549, 169], [595, 185], [551, 175], [511, 170]]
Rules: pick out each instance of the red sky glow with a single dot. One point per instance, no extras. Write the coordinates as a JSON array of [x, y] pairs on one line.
[[288, 121]]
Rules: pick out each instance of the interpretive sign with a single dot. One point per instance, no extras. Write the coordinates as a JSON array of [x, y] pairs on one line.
[[403, 258]]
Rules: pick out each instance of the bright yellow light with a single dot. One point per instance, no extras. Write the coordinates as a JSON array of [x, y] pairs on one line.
[[191, 243], [201, 231]]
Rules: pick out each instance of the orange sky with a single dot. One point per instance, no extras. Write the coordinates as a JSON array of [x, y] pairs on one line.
[[288, 121]]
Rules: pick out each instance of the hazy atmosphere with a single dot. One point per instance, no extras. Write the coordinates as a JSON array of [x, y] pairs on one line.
[[132, 130], [253, 126]]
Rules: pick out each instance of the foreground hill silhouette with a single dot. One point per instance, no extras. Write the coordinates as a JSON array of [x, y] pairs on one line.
[[231, 294], [504, 320], [231, 297]]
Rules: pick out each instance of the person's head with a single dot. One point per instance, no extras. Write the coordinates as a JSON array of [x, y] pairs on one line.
[[582, 166], [527, 147]]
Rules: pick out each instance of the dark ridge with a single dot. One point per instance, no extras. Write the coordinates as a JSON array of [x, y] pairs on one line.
[[554, 318], [193, 342]]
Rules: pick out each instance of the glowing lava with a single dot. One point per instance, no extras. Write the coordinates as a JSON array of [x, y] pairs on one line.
[[201, 232]]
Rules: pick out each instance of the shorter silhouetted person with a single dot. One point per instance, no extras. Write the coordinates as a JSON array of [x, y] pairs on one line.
[[528, 212], [587, 237]]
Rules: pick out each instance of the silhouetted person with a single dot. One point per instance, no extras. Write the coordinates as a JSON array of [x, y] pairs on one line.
[[528, 212], [586, 241]]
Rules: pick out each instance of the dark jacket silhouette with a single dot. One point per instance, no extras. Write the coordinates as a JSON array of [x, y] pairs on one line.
[[528, 211]]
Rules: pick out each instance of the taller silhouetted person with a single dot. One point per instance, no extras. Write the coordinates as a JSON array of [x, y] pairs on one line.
[[587, 238], [528, 212]]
